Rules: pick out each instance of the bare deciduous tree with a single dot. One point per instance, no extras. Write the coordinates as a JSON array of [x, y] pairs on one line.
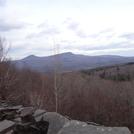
[[7, 72], [4, 48]]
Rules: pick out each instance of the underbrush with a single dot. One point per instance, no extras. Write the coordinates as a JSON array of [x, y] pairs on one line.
[[80, 96]]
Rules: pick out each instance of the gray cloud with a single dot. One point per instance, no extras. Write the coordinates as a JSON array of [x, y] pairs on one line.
[[48, 31], [2, 2], [120, 51], [81, 34], [129, 36], [7, 26], [107, 33], [27, 49], [109, 46], [43, 25], [86, 47], [75, 27]]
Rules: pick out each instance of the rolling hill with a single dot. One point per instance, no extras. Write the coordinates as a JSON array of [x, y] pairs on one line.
[[69, 62]]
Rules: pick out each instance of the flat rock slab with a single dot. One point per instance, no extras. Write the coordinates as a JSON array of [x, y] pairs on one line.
[[6, 126], [77, 127], [10, 108], [56, 122], [38, 114], [27, 111]]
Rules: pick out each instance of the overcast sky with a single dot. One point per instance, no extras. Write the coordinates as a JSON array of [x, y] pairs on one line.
[[92, 27]]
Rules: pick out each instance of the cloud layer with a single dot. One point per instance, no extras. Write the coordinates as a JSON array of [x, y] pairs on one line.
[[82, 26], [6, 25], [2, 2]]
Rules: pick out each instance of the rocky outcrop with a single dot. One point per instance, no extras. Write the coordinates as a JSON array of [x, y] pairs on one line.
[[77, 127], [27, 120], [22, 120], [56, 122]]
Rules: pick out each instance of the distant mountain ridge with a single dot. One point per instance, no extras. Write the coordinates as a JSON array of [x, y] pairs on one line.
[[69, 62]]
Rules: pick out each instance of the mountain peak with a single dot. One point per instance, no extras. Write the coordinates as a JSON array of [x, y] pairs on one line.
[[30, 57], [67, 53], [71, 61]]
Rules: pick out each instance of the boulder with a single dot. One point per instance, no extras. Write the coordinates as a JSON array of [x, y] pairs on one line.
[[77, 127], [27, 114], [56, 122], [6, 126], [38, 114], [27, 111], [9, 113]]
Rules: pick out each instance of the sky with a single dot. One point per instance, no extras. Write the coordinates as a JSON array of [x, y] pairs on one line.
[[89, 27]]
